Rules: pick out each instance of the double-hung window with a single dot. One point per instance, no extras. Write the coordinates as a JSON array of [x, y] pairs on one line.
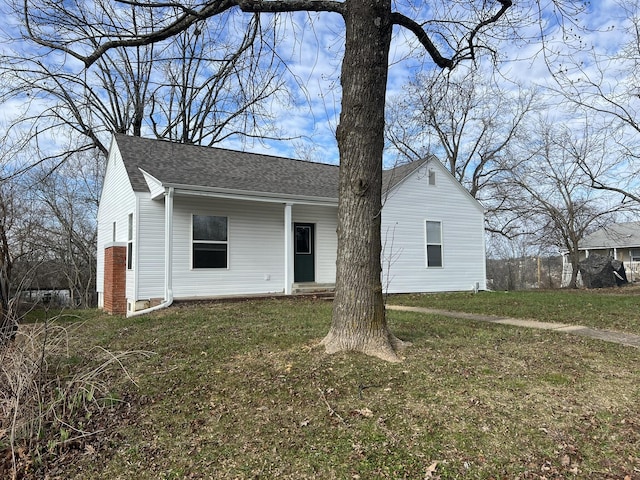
[[210, 241], [434, 243]]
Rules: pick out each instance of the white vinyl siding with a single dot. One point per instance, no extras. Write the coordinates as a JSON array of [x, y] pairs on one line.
[[149, 249], [256, 251], [403, 235], [117, 201]]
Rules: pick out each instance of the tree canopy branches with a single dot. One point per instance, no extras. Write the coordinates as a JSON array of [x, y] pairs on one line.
[[103, 33]]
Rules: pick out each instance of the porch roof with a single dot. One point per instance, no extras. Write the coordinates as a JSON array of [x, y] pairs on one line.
[[218, 168], [616, 235]]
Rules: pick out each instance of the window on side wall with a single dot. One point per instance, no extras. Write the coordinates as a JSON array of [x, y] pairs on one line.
[[634, 254], [434, 244], [130, 242], [210, 246]]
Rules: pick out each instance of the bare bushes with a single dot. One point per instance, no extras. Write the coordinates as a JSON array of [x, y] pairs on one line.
[[52, 393]]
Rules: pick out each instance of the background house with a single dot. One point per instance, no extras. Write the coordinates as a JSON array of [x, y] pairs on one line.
[[618, 240], [181, 221]]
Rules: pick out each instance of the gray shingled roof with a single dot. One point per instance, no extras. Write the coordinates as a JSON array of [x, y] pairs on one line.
[[393, 176], [207, 167], [616, 235], [196, 166]]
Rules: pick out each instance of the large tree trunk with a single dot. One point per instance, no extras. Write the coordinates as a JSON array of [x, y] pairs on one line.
[[359, 322]]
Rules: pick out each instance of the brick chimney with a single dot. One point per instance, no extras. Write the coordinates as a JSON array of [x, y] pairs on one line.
[[115, 279]]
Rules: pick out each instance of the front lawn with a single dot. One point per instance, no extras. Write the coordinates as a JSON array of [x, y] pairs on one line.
[[240, 390], [609, 309]]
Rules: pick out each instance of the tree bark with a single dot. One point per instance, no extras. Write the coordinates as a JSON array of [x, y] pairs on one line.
[[7, 324], [574, 257], [359, 322]]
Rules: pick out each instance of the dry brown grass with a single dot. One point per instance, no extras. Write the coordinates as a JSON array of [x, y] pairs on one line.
[[50, 388]]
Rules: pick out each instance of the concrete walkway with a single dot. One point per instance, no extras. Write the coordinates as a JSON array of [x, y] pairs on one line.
[[628, 339]]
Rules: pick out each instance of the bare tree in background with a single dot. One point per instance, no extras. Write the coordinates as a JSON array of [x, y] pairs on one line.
[[187, 90], [461, 29], [584, 79], [68, 111], [549, 190], [468, 121], [67, 234], [191, 103], [50, 232], [7, 322]]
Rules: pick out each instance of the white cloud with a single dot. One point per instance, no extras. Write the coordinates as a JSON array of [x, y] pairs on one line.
[[312, 46]]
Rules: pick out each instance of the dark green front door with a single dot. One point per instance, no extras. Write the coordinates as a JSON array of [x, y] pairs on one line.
[[303, 252]]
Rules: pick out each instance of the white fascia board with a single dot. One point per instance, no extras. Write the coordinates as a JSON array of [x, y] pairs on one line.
[[155, 186], [612, 245], [186, 190]]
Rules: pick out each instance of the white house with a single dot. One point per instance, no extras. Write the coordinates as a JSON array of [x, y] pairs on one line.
[[180, 221]]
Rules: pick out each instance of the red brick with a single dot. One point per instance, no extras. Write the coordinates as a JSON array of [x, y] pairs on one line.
[[115, 280]]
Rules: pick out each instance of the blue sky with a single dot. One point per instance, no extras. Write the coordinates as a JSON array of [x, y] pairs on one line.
[[315, 57], [311, 45]]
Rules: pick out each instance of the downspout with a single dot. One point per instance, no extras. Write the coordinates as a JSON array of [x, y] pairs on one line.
[[168, 257]]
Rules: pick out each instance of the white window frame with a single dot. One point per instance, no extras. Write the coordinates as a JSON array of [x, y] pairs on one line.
[[428, 243], [210, 242], [130, 242], [634, 254]]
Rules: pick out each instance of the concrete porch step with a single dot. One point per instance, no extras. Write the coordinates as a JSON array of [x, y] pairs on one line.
[[312, 287]]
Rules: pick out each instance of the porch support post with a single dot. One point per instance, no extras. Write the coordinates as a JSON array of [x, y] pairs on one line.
[[288, 249]]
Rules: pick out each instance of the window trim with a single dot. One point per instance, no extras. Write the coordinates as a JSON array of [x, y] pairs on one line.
[[427, 243], [130, 242], [634, 253], [209, 242]]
